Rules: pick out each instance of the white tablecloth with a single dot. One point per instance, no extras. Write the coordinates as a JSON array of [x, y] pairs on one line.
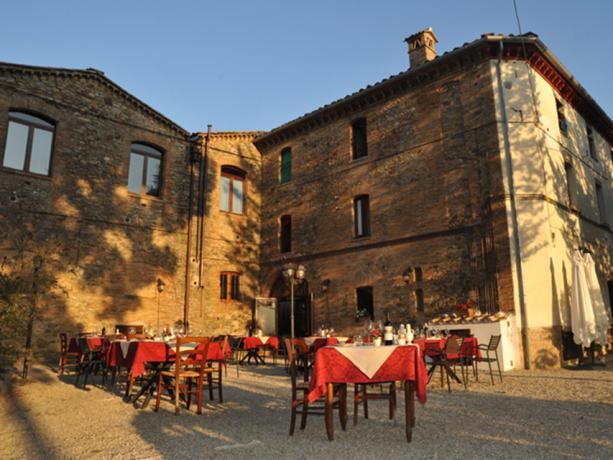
[[367, 358]]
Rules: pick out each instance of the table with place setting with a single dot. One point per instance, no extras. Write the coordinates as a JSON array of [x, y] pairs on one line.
[[138, 355], [366, 364]]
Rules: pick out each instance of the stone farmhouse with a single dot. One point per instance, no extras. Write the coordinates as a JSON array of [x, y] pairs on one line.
[[471, 175]]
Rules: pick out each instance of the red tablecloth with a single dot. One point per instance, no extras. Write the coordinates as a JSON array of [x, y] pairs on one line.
[[93, 343], [140, 353], [470, 347], [323, 342], [404, 363], [255, 342]]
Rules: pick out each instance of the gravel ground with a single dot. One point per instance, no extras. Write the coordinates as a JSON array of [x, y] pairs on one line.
[[539, 414]]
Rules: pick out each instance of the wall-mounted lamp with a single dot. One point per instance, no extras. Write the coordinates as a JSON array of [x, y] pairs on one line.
[[161, 285], [406, 275], [325, 285]]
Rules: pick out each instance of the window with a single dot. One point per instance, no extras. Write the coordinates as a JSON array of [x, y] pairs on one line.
[[234, 285], [232, 196], [285, 239], [570, 184], [286, 165], [361, 216], [365, 301], [590, 142], [561, 118], [359, 143], [29, 143], [601, 204], [419, 274], [145, 174]]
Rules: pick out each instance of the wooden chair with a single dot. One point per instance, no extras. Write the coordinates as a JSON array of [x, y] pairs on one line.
[[449, 357], [68, 359], [93, 361], [300, 389], [231, 354], [362, 395], [189, 368], [214, 377], [491, 347]]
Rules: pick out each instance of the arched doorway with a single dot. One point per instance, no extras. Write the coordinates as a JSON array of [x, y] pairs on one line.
[[302, 307]]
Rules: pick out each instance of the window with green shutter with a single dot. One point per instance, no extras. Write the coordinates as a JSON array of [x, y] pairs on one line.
[[286, 165]]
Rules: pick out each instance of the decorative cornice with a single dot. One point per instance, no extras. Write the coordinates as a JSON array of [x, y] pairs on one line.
[[469, 54], [97, 75], [247, 135]]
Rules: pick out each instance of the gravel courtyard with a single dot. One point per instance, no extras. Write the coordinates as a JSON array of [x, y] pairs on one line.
[[540, 414]]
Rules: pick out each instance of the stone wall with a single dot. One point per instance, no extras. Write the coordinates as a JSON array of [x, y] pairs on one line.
[[230, 241], [432, 168], [104, 247]]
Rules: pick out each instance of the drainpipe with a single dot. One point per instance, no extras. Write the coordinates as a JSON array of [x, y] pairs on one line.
[[204, 161], [514, 221], [190, 213]]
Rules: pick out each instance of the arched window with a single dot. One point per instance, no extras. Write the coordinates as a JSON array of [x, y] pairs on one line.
[[285, 235], [29, 143], [232, 194], [145, 175]]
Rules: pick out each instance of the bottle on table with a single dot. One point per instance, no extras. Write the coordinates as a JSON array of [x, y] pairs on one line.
[[402, 335], [388, 330]]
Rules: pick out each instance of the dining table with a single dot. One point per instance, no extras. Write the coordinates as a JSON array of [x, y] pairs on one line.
[[253, 345], [434, 346], [369, 364], [137, 356]]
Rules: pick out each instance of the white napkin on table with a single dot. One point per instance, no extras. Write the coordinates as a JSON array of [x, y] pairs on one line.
[[367, 358]]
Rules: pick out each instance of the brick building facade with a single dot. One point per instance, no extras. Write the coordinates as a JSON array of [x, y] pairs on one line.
[[445, 182]]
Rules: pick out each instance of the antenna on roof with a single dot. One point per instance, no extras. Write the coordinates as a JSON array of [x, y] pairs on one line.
[[517, 16]]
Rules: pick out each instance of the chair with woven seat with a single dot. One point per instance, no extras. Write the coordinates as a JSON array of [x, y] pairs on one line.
[[447, 359], [189, 373], [491, 347], [68, 358], [300, 404]]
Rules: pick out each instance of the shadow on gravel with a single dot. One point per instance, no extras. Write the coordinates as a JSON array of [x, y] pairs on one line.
[[37, 443], [254, 421]]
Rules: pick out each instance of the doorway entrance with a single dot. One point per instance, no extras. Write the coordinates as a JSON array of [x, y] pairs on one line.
[[302, 308]]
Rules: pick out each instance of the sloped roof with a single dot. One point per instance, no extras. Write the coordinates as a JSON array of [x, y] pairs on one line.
[[98, 76], [606, 124]]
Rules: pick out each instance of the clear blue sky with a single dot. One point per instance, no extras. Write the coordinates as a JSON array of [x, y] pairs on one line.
[[255, 64]]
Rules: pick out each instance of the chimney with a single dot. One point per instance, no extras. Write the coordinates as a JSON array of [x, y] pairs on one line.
[[421, 47]]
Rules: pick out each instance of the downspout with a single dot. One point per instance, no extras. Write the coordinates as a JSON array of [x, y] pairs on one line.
[[190, 214], [514, 221], [204, 162]]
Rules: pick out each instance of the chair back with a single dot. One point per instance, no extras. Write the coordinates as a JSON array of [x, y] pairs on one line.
[[494, 341], [84, 345], [190, 353], [453, 345], [235, 343], [300, 345], [63, 342]]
